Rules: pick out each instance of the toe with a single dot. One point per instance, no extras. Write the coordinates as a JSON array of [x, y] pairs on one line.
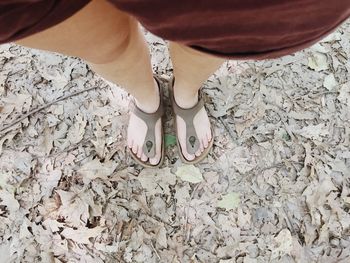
[[130, 143], [201, 146], [155, 159], [189, 157], [198, 152], [143, 157], [139, 152], [209, 137], [134, 148], [205, 143]]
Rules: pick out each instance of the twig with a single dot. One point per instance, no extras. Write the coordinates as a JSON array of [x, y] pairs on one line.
[[6, 127], [187, 232], [155, 251], [228, 129], [288, 221]]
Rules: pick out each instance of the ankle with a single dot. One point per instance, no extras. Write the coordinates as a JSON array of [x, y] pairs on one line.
[[185, 99], [150, 102]]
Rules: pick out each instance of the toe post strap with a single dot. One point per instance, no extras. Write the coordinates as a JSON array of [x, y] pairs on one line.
[[192, 141], [149, 146]]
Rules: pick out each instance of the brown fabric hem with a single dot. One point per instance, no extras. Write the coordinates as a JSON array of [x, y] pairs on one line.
[[22, 20], [271, 54]]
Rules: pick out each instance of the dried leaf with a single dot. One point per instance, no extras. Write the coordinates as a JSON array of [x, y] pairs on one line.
[[318, 62], [77, 130], [162, 237], [189, 173], [82, 235], [314, 132], [8, 200], [156, 181], [285, 244], [48, 181], [330, 82], [96, 169], [75, 208], [229, 201]]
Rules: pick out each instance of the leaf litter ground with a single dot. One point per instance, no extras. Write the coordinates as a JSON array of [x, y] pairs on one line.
[[275, 188]]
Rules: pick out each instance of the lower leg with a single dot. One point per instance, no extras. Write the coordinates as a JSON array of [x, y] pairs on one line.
[[113, 45], [109, 40], [133, 71], [191, 69]]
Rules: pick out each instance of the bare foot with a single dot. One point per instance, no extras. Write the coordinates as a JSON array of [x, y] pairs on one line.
[[201, 124], [137, 128]]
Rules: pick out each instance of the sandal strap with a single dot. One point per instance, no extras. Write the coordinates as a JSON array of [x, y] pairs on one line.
[[149, 146], [192, 141]]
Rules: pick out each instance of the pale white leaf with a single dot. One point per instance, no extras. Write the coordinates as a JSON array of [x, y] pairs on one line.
[[284, 241], [161, 237], [75, 208], [82, 235], [48, 181], [9, 201], [229, 201], [189, 173], [107, 248], [77, 130], [314, 132], [318, 62], [330, 82], [182, 194]]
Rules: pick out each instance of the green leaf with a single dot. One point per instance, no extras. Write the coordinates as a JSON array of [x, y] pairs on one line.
[[170, 140], [286, 137], [229, 201], [189, 173]]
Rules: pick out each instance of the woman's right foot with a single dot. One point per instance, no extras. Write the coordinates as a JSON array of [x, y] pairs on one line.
[[137, 128]]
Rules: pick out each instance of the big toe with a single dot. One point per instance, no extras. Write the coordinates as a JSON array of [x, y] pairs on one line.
[[155, 160], [144, 158], [189, 157]]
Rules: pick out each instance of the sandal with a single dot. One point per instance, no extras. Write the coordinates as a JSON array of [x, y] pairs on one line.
[[192, 141], [149, 145]]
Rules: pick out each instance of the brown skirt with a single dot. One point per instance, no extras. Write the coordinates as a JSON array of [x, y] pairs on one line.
[[234, 29]]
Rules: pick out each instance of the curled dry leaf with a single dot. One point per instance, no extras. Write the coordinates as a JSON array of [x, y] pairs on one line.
[[157, 181], [96, 169]]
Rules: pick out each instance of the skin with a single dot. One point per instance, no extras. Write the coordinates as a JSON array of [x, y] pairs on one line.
[[115, 48]]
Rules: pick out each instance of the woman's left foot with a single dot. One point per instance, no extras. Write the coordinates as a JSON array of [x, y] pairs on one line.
[[201, 125]]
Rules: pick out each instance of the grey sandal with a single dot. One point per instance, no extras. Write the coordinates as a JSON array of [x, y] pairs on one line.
[[149, 146], [192, 141]]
